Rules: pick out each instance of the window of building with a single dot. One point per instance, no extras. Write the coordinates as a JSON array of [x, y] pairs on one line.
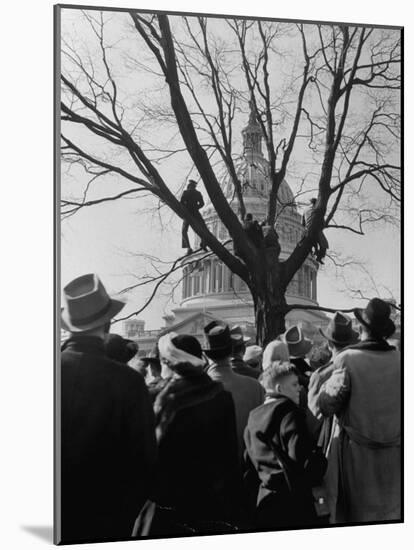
[[301, 285], [196, 279], [213, 277], [219, 274]]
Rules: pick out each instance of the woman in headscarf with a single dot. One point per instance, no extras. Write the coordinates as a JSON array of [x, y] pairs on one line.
[[198, 483]]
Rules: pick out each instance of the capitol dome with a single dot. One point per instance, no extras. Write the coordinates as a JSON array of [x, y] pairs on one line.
[[208, 284]]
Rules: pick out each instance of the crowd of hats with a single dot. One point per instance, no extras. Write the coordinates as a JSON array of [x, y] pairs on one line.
[[88, 306]]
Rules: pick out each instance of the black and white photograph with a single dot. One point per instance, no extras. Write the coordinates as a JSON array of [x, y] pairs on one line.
[[229, 274]]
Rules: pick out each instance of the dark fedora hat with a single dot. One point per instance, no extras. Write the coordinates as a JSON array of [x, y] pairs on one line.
[[376, 317], [339, 330], [237, 335], [119, 348], [88, 305], [218, 336], [189, 344], [297, 343]]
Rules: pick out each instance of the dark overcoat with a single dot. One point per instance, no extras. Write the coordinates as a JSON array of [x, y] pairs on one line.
[[198, 480], [108, 447], [280, 424]]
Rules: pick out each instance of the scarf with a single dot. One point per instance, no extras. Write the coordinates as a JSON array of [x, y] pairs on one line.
[[179, 394]]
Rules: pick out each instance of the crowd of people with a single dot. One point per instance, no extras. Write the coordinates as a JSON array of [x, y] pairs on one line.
[[228, 437]]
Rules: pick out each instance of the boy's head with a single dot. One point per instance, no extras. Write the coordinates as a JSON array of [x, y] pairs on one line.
[[281, 378]]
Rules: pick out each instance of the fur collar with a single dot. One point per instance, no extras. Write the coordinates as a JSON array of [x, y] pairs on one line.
[[179, 394]]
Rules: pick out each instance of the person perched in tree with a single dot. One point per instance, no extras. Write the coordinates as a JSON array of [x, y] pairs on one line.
[[253, 230], [271, 238], [321, 245], [193, 202]]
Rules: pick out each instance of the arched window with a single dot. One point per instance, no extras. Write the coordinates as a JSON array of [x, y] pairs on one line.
[[196, 278]]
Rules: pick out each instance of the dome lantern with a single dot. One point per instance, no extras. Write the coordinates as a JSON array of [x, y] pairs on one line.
[[252, 136]]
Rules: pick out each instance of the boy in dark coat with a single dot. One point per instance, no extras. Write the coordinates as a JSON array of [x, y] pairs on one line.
[[108, 448], [279, 446]]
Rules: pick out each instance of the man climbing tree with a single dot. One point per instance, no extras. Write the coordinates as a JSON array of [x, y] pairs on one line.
[[321, 244], [193, 201]]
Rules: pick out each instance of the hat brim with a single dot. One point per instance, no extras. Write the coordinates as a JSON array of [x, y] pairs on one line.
[[227, 347], [352, 339], [114, 308], [237, 338], [300, 349]]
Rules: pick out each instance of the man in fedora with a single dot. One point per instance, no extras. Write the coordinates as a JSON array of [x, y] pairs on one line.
[[119, 348], [238, 364], [154, 380], [105, 427], [364, 392], [193, 202], [299, 346], [339, 334], [247, 393]]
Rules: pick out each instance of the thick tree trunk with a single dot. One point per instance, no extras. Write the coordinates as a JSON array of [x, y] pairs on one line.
[[269, 300], [270, 321]]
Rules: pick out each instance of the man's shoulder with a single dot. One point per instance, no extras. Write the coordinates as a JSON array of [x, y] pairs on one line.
[[101, 367], [248, 382]]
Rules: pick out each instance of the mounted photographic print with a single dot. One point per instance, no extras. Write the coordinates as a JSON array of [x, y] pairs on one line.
[[228, 274]]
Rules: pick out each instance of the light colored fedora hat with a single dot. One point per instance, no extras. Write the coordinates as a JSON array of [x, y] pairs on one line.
[[298, 345], [236, 334], [88, 305]]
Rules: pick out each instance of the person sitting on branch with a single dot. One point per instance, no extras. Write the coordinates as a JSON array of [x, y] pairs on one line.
[[321, 244], [193, 201], [253, 230]]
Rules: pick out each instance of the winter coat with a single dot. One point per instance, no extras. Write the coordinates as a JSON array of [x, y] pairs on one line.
[[247, 394], [303, 371], [108, 447], [198, 481], [364, 472], [192, 200], [280, 424]]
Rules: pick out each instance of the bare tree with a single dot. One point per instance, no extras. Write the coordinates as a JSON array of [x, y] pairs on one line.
[[341, 105]]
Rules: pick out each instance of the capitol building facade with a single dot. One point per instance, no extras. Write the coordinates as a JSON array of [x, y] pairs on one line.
[[210, 290]]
